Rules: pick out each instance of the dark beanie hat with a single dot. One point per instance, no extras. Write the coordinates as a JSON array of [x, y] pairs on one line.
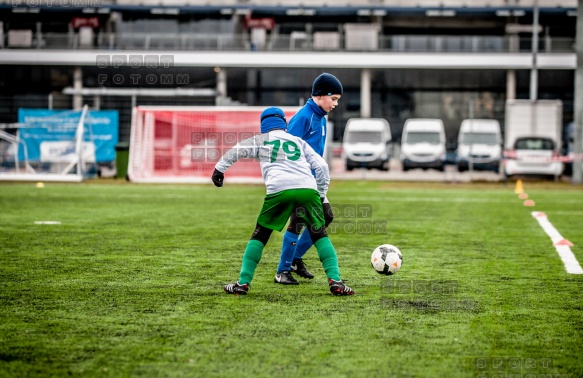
[[326, 85], [272, 118]]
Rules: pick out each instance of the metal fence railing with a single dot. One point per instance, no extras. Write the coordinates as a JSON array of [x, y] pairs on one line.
[[9, 106], [293, 42]]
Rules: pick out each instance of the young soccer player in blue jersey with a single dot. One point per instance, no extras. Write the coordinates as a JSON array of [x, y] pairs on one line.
[[309, 123], [287, 163]]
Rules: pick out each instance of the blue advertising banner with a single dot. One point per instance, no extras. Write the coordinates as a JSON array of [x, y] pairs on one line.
[[49, 135]]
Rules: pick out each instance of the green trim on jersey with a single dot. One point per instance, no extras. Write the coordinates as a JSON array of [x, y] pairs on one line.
[[278, 207]]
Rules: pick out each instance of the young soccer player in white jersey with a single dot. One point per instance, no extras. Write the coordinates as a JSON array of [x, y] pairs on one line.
[[286, 164]]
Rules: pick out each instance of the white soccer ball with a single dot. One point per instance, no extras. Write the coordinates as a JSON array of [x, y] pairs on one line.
[[386, 259]]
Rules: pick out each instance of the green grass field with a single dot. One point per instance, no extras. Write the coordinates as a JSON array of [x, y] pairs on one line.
[[130, 283]]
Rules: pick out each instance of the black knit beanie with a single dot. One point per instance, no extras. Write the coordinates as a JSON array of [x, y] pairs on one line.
[[326, 85]]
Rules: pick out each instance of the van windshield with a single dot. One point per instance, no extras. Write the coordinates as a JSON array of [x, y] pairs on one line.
[[423, 137], [479, 138], [364, 137]]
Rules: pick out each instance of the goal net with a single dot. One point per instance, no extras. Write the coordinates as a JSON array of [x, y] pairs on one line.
[[183, 144], [46, 146]]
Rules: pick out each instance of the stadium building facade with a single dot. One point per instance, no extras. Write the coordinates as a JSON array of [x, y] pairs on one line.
[[396, 59]]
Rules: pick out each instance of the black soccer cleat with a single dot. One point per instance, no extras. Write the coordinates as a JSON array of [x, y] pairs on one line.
[[339, 288], [299, 268], [285, 278], [236, 288]]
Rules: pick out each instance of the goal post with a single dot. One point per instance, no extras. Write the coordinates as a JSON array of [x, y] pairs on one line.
[[175, 144], [46, 147], [58, 145]]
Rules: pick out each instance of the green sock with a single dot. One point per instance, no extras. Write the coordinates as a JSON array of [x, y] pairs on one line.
[[251, 258], [328, 257]]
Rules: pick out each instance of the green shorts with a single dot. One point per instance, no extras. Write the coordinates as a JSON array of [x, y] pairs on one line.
[[278, 207]]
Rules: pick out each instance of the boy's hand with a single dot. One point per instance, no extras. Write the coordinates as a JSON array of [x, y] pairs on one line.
[[218, 178]]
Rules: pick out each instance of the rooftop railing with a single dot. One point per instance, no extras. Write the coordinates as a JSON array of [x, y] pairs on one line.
[[290, 42]]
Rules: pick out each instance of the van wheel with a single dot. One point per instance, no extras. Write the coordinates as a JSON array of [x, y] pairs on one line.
[[349, 168]]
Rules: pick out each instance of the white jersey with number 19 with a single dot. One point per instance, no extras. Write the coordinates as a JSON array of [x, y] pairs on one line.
[[286, 162]]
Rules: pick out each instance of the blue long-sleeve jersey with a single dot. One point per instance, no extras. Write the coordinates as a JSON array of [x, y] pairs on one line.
[[309, 123]]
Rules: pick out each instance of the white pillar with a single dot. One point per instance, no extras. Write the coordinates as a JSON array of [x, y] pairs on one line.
[[221, 81], [77, 84], [365, 93], [578, 103], [534, 69], [510, 84]]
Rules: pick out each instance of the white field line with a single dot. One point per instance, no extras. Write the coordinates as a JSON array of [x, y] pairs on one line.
[[561, 244]]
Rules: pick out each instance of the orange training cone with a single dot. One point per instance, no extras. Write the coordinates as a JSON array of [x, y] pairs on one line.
[[564, 242], [523, 196], [528, 203], [518, 188]]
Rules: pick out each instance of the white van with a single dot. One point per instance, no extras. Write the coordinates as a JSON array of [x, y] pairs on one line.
[[367, 143], [423, 144], [479, 143]]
